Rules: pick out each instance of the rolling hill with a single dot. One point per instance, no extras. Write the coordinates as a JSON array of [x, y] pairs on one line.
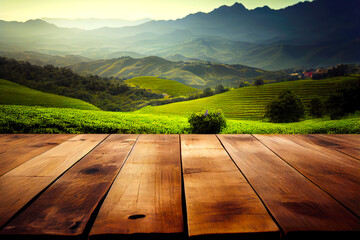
[[198, 74], [249, 102], [15, 94], [162, 86]]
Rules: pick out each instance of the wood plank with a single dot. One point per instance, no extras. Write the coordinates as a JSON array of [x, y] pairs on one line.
[[16, 149], [145, 198], [14, 140], [20, 185], [346, 144], [66, 206], [296, 204], [5, 135], [219, 200], [334, 172]]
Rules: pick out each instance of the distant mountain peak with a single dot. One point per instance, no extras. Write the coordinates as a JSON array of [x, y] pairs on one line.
[[266, 7], [263, 9], [36, 21], [39, 22], [239, 6]]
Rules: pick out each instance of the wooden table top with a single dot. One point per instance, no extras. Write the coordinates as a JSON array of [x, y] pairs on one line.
[[129, 186]]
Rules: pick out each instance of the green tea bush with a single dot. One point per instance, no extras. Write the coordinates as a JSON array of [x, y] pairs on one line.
[[207, 123], [345, 99], [287, 107], [316, 107]]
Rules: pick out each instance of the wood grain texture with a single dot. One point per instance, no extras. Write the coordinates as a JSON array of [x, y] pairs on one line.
[[296, 204], [20, 185], [219, 200], [66, 206], [17, 149], [146, 195], [336, 173], [347, 144]]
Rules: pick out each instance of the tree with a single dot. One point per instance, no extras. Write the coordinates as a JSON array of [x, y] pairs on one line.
[[259, 82], [207, 92], [287, 107], [243, 84], [316, 107], [220, 89], [345, 99]]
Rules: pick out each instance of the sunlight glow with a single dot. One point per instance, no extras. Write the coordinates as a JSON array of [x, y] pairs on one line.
[[22, 10]]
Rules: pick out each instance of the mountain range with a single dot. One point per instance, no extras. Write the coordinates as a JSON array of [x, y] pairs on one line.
[[93, 23], [307, 34]]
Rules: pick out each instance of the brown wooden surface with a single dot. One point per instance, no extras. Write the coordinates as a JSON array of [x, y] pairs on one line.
[[308, 183], [146, 195], [335, 172], [66, 206], [17, 149], [20, 185], [218, 198], [347, 144], [296, 203]]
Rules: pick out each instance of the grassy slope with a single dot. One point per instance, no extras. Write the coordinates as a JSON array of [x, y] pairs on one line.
[[158, 85], [249, 102], [26, 119], [16, 94], [196, 73]]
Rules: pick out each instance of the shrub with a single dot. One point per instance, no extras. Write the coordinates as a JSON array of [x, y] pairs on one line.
[[243, 84], [220, 89], [316, 107], [208, 123], [287, 107], [345, 99], [259, 82], [207, 92]]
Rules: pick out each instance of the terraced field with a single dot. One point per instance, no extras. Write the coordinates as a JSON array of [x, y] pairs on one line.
[[15, 94], [250, 102], [162, 86]]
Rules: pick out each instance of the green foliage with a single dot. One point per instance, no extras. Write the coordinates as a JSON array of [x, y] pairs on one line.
[[207, 92], [338, 70], [243, 84], [26, 119], [287, 107], [106, 93], [259, 82], [316, 107], [162, 86], [207, 123], [220, 89], [16, 94], [345, 99], [349, 125]]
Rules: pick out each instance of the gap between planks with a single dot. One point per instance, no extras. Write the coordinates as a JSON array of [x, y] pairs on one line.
[[296, 204], [22, 184], [65, 208]]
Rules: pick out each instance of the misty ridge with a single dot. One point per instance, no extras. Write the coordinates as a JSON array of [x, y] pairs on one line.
[[308, 34], [93, 23]]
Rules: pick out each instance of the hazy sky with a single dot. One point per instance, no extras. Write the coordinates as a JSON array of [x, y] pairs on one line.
[[22, 10]]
